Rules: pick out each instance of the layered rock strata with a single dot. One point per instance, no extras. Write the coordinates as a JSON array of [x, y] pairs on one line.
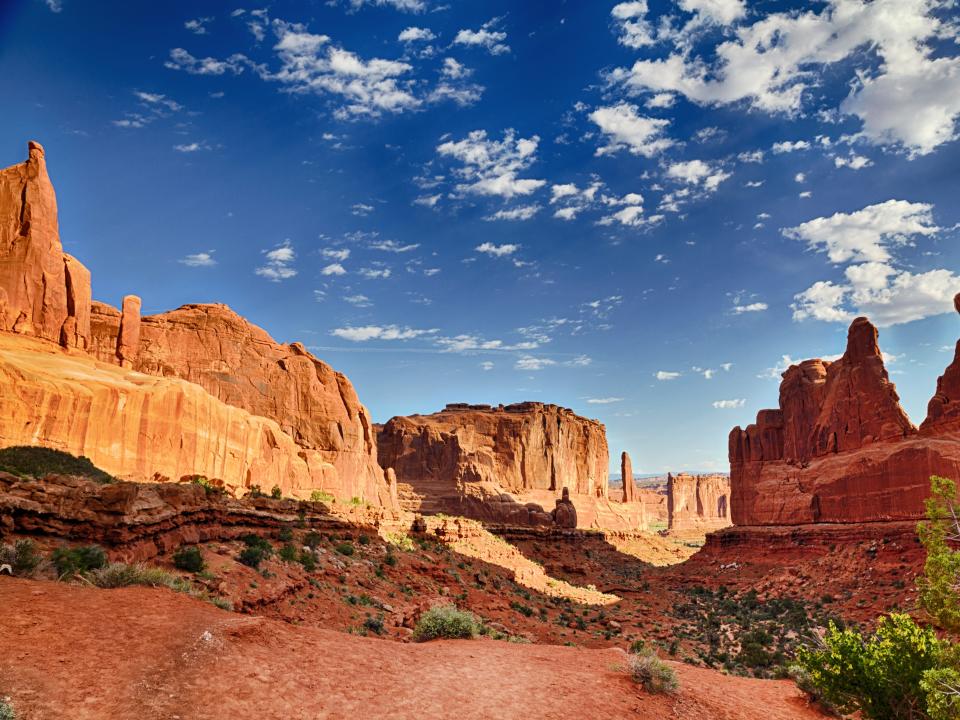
[[698, 502], [840, 449]]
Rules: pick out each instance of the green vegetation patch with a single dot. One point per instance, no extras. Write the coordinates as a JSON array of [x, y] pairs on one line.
[[38, 462], [446, 621]]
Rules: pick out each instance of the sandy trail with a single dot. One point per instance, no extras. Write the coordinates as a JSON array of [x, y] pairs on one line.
[[88, 654]]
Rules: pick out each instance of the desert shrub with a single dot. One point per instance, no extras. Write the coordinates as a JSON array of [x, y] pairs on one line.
[[77, 561], [940, 583], [798, 673], [652, 673], [38, 462], [276, 493], [321, 496], [285, 534], [344, 548], [390, 559], [189, 559], [401, 540], [308, 561], [374, 624], [117, 575], [6, 711], [256, 492], [525, 610], [21, 556], [445, 621], [880, 675], [206, 484], [256, 551], [312, 539], [288, 552], [364, 539]]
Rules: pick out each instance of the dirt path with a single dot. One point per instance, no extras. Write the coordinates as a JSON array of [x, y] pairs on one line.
[[87, 654]]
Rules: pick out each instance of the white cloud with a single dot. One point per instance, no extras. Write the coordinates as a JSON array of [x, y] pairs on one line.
[[200, 259], [339, 254], [728, 404], [854, 162], [198, 25], [749, 308], [413, 6], [279, 263], [416, 34], [663, 375], [378, 332], [486, 365], [635, 31], [752, 156], [485, 37], [604, 400], [491, 167], [358, 300], [661, 100], [910, 98], [529, 362], [192, 147], [180, 59], [697, 172], [54, 5], [720, 12], [865, 235], [334, 269], [492, 250], [378, 273], [361, 209], [788, 146], [462, 95], [521, 212], [454, 70], [393, 246], [626, 130], [428, 200]]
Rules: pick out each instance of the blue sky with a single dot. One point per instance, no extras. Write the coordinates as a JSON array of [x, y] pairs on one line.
[[632, 209]]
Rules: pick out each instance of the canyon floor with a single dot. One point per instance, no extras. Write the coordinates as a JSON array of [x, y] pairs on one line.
[[84, 653]]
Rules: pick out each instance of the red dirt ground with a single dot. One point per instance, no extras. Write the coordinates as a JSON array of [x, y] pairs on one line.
[[89, 654]]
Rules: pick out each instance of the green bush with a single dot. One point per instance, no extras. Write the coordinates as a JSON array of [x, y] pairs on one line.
[[445, 621], [256, 551], [285, 534], [6, 711], [22, 556], [880, 675], [78, 561], [116, 575], [321, 496], [189, 559], [276, 493], [940, 583], [38, 462], [374, 624], [308, 561], [288, 552], [208, 486], [312, 539], [344, 548], [652, 673]]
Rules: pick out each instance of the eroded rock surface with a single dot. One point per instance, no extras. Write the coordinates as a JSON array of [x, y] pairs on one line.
[[840, 448], [698, 502]]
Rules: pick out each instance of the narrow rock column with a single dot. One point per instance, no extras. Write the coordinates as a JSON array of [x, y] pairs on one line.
[[626, 472], [128, 341]]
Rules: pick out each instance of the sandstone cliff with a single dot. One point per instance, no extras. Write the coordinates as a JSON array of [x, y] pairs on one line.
[[504, 464], [303, 423], [840, 448], [43, 291], [698, 502]]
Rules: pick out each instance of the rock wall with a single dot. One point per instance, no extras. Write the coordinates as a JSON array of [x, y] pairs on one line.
[[698, 502], [840, 448], [43, 291], [297, 404], [504, 464]]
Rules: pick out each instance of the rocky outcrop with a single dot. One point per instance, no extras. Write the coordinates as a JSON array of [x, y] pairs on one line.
[[698, 502], [629, 493], [318, 418], [43, 291], [840, 448], [504, 464]]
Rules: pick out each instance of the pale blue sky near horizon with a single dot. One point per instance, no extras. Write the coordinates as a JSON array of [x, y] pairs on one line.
[[638, 210]]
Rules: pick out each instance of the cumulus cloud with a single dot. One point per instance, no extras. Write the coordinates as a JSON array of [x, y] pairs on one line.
[[749, 308], [788, 146], [279, 263], [663, 375], [334, 269], [339, 254], [521, 212], [697, 172], [728, 404], [604, 400], [492, 250], [529, 362], [911, 98], [492, 167], [393, 246], [180, 59], [366, 333], [486, 37], [625, 129], [200, 259], [416, 34], [198, 25], [874, 284]]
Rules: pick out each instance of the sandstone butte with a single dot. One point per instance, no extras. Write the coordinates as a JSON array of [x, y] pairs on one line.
[[194, 391], [698, 502], [505, 464], [840, 449]]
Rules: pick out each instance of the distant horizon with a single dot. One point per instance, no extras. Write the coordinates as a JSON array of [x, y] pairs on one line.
[[584, 204]]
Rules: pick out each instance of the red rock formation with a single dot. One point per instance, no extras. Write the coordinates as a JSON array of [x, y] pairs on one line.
[[626, 472], [504, 464], [840, 448], [46, 293], [698, 502], [43, 292]]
